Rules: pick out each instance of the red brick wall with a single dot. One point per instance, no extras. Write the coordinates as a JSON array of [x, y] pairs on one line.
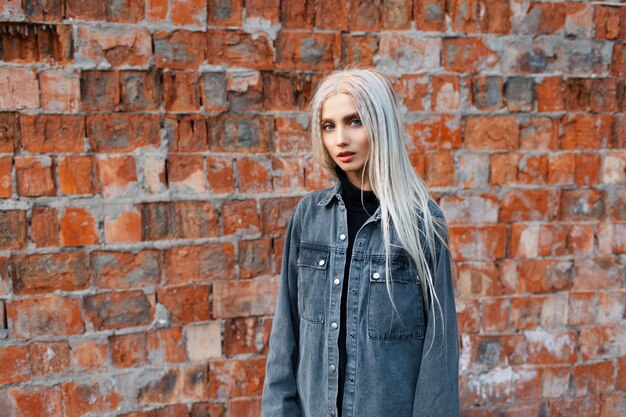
[[151, 153]]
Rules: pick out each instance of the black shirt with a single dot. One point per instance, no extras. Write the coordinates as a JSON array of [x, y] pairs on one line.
[[360, 206]]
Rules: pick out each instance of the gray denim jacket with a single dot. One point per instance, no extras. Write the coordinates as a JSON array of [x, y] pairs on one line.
[[388, 373]]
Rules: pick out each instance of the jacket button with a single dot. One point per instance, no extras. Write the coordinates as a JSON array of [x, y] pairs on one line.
[[376, 275], [322, 262], [332, 368], [332, 414], [334, 326], [351, 379], [336, 282], [342, 237]]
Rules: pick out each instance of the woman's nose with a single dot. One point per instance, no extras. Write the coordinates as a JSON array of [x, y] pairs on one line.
[[342, 138]]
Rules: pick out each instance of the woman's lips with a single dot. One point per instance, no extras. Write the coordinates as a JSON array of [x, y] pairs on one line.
[[345, 156]]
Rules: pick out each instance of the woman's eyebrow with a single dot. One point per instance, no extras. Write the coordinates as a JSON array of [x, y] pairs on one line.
[[345, 118]]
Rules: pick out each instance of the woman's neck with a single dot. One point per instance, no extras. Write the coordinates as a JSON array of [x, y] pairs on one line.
[[359, 180]]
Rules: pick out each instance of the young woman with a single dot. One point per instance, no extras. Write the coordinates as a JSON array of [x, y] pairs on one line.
[[365, 322]]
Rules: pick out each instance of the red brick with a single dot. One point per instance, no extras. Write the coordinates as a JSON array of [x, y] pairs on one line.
[[156, 10], [496, 314], [425, 52], [244, 298], [44, 316], [254, 175], [140, 90], [532, 169], [446, 93], [20, 87], [525, 205], [117, 175], [316, 177], [255, 258], [618, 65], [46, 10], [10, 133], [586, 131], [430, 15], [100, 90], [234, 133], [464, 15], [48, 358], [78, 227], [187, 133], [614, 166], [35, 42], [211, 409], [285, 91], [125, 11], [37, 401], [573, 407], [45, 229], [179, 50], [602, 342], [185, 220], [181, 91], [89, 355], [413, 89], [125, 270], [122, 132], [60, 90], [555, 381], [440, 169], [16, 365], [214, 97], [492, 132], [468, 316], [307, 51], [186, 173], [539, 133], [598, 273], [93, 396], [525, 312], [128, 350], [170, 411], [240, 217], [165, 346], [201, 263], [245, 90], [226, 13], [610, 307], [4, 282], [545, 275], [495, 16], [601, 377], [52, 133], [582, 308], [620, 382], [220, 175], [275, 214], [236, 378], [161, 388], [13, 229], [479, 278], [550, 95], [85, 10], [487, 92], [34, 176], [288, 173], [246, 335], [363, 15], [195, 384], [46, 273], [358, 49], [396, 14], [245, 407], [551, 347], [77, 175], [113, 46], [239, 49], [266, 10], [186, 304], [463, 242], [118, 310], [582, 204], [123, 227], [610, 22], [468, 55], [494, 350]]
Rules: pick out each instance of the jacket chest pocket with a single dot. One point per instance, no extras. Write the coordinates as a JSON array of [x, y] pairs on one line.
[[406, 320], [312, 277]]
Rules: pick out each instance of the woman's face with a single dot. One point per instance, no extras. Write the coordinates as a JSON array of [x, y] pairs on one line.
[[345, 138]]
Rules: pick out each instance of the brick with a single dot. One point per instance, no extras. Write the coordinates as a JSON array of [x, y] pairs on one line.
[[468, 316], [519, 92], [52, 133], [239, 49], [186, 304], [118, 310], [122, 132], [503, 168], [240, 217], [85, 10], [125, 270], [44, 316], [13, 229], [284, 91], [316, 177], [213, 91], [239, 133], [579, 20], [495, 16], [203, 341], [48, 358], [46, 273], [246, 335], [220, 175], [464, 15], [77, 175], [440, 169], [446, 93], [97, 396], [545, 275], [437, 132], [161, 388], [554, 311], [487, 92], [185, 173], [181, 91], [551, 347], [614, 168], [33, 401], [254, 175], [236, 378], [291, 134], [550, 95], [140, 90], [78, 227], [45, 229], [113, 46], [619, 128], [125, 11], [532, 169], [610, 307], [34, 43], [179, 50], [186, 132], [472, 171], [358, 49], [573, 407], [16, 366], [603, 95], [199, 264], [125, 226], [524, 205], [307, 51], [602, 342], [538, 133], [288, 173], [21, 89], [468, 55], [245, 407], [605, 270], [211, 409], [393, 56], [100, 90], [620, 381], [195, 384], [577, 94], [34, 176], [226, 12], [245, 90], [154, 174], [255, 257], [179, 220], [493, 238], [253, 297], [156, 10], [583, 57], [266, 10], [44, 10], [582, 204], [493, 350], [610, 22], [275, 214], [396, 14], [430, 15], [10, 133], [166, 346], [496, 313], [89, 354], [128, 350], [4, 282], [492, 132], [60, 90]]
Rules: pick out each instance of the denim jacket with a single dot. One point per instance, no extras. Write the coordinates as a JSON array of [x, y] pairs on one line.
[[389, 372]]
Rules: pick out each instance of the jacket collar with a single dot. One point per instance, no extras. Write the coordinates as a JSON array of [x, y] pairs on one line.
[[335, 192]]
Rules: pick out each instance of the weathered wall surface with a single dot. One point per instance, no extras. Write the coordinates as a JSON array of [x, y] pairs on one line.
[[151, 153]]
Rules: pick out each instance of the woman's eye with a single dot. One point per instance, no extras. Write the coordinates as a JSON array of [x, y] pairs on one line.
[[355, 122], [327, 126]]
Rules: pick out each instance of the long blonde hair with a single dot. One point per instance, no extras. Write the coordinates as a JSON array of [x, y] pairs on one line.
[[402, 194]]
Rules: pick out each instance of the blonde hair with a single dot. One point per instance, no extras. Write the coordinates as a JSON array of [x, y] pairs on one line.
[[402, 194]]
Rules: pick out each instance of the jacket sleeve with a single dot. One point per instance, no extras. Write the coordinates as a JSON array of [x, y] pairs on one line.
[[280, 394], [437, 390]]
